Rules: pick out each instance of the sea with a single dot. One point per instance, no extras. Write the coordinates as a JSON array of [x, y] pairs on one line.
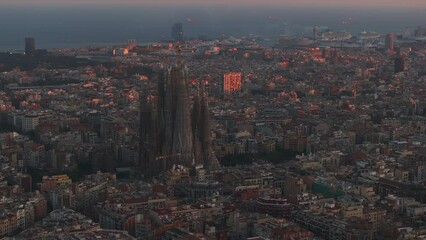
[[58, 26]]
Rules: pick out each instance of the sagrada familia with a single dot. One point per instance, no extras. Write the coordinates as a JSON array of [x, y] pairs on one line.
[[170, 133]]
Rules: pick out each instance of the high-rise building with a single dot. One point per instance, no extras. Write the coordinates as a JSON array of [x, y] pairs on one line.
[[389, 42], [231, 83], [169, 134], [30, 48], [177, 32], [131, 44]]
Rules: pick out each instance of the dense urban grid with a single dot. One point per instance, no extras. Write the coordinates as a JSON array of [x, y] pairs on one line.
[[317, 137]]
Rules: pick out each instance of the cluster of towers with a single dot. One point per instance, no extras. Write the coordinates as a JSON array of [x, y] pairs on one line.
[[170, 133]]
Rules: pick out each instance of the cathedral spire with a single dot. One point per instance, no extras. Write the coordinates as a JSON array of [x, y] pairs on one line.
[[170, 134], [210, 160]]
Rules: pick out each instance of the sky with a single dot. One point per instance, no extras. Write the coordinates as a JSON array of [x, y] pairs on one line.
[[295, 3]]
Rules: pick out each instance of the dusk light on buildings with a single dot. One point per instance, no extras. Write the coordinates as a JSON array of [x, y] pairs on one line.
[[213, 120]]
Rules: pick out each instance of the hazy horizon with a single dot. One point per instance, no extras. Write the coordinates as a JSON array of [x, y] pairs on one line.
[[413, 4], [54, 25]]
